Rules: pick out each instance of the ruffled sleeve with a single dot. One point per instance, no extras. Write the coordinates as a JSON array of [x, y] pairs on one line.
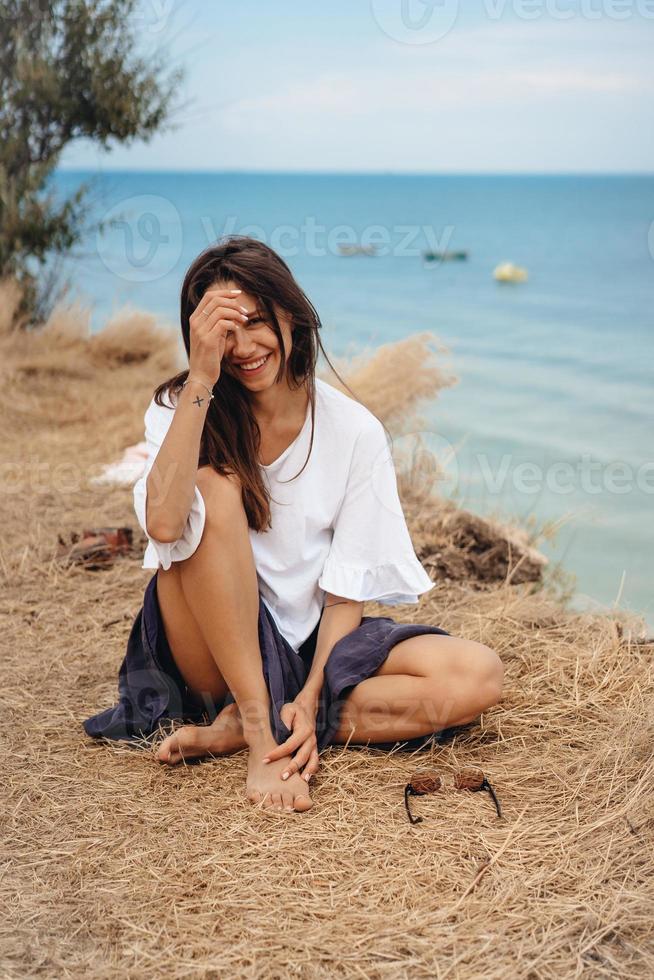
[[371, 555], [162, 554]]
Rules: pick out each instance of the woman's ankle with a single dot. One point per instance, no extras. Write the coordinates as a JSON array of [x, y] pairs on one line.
[[255, 723], [259, 737]]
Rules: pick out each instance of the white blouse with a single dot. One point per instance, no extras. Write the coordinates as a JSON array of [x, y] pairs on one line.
[[339, 527]]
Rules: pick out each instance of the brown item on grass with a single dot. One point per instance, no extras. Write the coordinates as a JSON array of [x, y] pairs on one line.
[[474, 780], [420, 784], [429, 781], [96, 548]]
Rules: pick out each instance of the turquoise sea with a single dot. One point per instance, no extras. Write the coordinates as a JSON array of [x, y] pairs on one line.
[[553, 416]]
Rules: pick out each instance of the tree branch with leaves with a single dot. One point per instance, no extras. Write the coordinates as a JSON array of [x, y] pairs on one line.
[[69, 70]]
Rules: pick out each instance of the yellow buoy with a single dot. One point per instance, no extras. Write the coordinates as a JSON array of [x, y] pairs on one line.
[[508, 272]]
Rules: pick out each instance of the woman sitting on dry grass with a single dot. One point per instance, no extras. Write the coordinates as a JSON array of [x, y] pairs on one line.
[[251, 628]]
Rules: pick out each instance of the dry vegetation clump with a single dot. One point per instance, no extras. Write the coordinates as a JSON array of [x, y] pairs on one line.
[[394, 380], [117, 867], [462, 547]]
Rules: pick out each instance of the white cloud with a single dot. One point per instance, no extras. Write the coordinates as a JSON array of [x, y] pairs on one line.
[[498, 95], [329, 93], [338, 97], [574, 81]]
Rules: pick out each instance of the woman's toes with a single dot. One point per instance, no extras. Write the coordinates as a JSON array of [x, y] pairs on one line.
[[277, 801], [287, 800], [302, 803], [254, 796], [166, 749], [183, 744]]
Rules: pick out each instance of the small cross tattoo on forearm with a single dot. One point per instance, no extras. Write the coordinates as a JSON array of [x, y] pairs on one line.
[[198, 401]]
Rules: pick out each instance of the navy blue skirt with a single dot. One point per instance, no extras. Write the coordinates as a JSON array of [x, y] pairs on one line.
[[152, 691]]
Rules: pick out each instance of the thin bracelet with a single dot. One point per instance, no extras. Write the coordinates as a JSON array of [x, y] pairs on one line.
[[197, 380]]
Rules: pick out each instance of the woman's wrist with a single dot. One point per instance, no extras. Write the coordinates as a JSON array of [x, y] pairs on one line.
[[312, 687], [200, 391], [197, 377]]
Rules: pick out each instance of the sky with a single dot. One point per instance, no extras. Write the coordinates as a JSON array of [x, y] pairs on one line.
[[400, 86]]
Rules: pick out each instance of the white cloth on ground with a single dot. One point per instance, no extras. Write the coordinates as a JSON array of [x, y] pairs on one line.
[[123, 471]]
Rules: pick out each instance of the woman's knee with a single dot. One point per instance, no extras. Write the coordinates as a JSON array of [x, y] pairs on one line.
[[484, 675], [222, 495], [491, 671], [470, 680]]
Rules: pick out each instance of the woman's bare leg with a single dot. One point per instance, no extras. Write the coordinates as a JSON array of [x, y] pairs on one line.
[[185, 639], [219, 586], [200, 671], [427, 683]]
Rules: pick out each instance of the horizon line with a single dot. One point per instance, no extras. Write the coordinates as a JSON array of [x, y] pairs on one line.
[[361, 173]]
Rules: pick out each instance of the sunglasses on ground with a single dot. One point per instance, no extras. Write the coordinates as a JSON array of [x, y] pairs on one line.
[[429, 781]]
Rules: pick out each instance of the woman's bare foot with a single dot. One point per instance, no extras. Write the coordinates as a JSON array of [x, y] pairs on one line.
[[222, 737], [265, 785]]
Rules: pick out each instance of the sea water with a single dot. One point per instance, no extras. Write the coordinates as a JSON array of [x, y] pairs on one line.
[[553, 416]]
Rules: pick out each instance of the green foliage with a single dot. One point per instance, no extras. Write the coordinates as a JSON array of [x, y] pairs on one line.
[[69, 70]]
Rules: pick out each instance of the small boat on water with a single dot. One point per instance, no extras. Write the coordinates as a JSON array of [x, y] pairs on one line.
[[445, 256], [357, 249], [508, 272]]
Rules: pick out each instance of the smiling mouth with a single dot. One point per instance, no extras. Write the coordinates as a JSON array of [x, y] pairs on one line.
[[260, 362]]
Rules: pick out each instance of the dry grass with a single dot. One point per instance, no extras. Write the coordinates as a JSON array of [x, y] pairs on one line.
[[395, 379], [115, 867]]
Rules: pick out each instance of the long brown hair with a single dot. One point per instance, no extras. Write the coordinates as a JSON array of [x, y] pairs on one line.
[[231, 436]]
